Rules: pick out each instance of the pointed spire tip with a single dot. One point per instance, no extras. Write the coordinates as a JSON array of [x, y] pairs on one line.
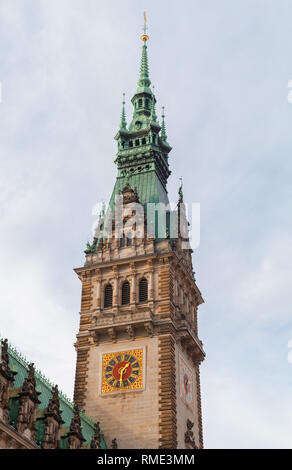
[[145, 36]]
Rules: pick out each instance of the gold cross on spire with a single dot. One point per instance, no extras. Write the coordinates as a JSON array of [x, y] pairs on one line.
[[145, 36]]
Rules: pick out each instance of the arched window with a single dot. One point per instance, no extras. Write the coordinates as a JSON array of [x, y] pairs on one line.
[[125, 293], [108, 296], [143, 290]]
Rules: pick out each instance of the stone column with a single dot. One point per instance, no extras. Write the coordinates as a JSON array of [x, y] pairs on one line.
[[133, 299], [116, 287], [151, 280], [98, 289]]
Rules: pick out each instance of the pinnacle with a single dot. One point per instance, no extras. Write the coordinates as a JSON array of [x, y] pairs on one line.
[[123, 124], [144, 80], [163, 129]]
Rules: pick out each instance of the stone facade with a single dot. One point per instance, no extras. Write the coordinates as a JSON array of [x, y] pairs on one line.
[[166, 325], [139, 293]]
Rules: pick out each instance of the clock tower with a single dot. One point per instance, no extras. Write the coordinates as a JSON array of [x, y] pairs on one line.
[[138, 351]]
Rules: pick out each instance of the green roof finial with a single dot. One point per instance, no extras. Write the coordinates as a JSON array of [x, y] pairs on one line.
[[123, 124], [163, 129]]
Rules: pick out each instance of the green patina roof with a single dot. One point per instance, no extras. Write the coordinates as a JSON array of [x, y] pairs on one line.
[[149, 188], [142, 157], [18, 364]]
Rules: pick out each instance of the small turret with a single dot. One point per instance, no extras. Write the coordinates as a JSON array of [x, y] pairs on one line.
[[123, 124], [163, 129]]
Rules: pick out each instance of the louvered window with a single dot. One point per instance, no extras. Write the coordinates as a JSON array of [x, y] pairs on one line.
[[122, 241], [125, 293], [143, 290], [108, 296]]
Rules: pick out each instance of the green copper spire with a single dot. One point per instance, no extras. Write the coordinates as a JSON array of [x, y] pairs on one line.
[[144, 80], [163, 130], [123, 124]]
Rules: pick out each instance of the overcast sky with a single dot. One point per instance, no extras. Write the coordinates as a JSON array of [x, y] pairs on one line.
[[221, 69]]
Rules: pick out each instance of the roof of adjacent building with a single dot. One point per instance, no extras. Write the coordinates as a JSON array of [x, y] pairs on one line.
[[20, 365]]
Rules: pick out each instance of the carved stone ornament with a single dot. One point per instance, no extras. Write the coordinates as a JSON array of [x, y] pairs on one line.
[[189, 435], [149, 328], [6, 380], [131, 332], [129, 195], [28, 406], [75, 437], [53, 422], [114, 444], [96, 440]]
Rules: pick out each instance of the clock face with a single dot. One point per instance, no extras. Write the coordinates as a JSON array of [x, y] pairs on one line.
[[122, 371], [186, 384]]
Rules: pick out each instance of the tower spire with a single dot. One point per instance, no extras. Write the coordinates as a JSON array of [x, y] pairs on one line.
[[163, 129], [123, 124], [145, 36], [144, 80]]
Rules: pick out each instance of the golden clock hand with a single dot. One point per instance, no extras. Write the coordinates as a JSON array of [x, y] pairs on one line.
[[122, 370]]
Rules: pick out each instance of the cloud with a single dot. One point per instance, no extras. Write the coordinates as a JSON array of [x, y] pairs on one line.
[[236, 415]]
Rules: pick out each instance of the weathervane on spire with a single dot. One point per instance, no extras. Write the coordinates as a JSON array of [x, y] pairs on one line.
[[145, 36]]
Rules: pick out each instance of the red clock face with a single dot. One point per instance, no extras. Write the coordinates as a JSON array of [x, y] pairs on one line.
[[122, 371], [123, 368]]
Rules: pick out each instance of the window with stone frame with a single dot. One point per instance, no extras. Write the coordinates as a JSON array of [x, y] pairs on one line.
[[143, 290], [126, 293], [108, 296]]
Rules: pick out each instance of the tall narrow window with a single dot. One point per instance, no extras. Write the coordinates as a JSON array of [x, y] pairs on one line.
[[125, 293], [122, 241], [143, 290], [108, 296]]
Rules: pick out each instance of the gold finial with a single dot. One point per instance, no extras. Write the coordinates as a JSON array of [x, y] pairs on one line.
[[145, 36]]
